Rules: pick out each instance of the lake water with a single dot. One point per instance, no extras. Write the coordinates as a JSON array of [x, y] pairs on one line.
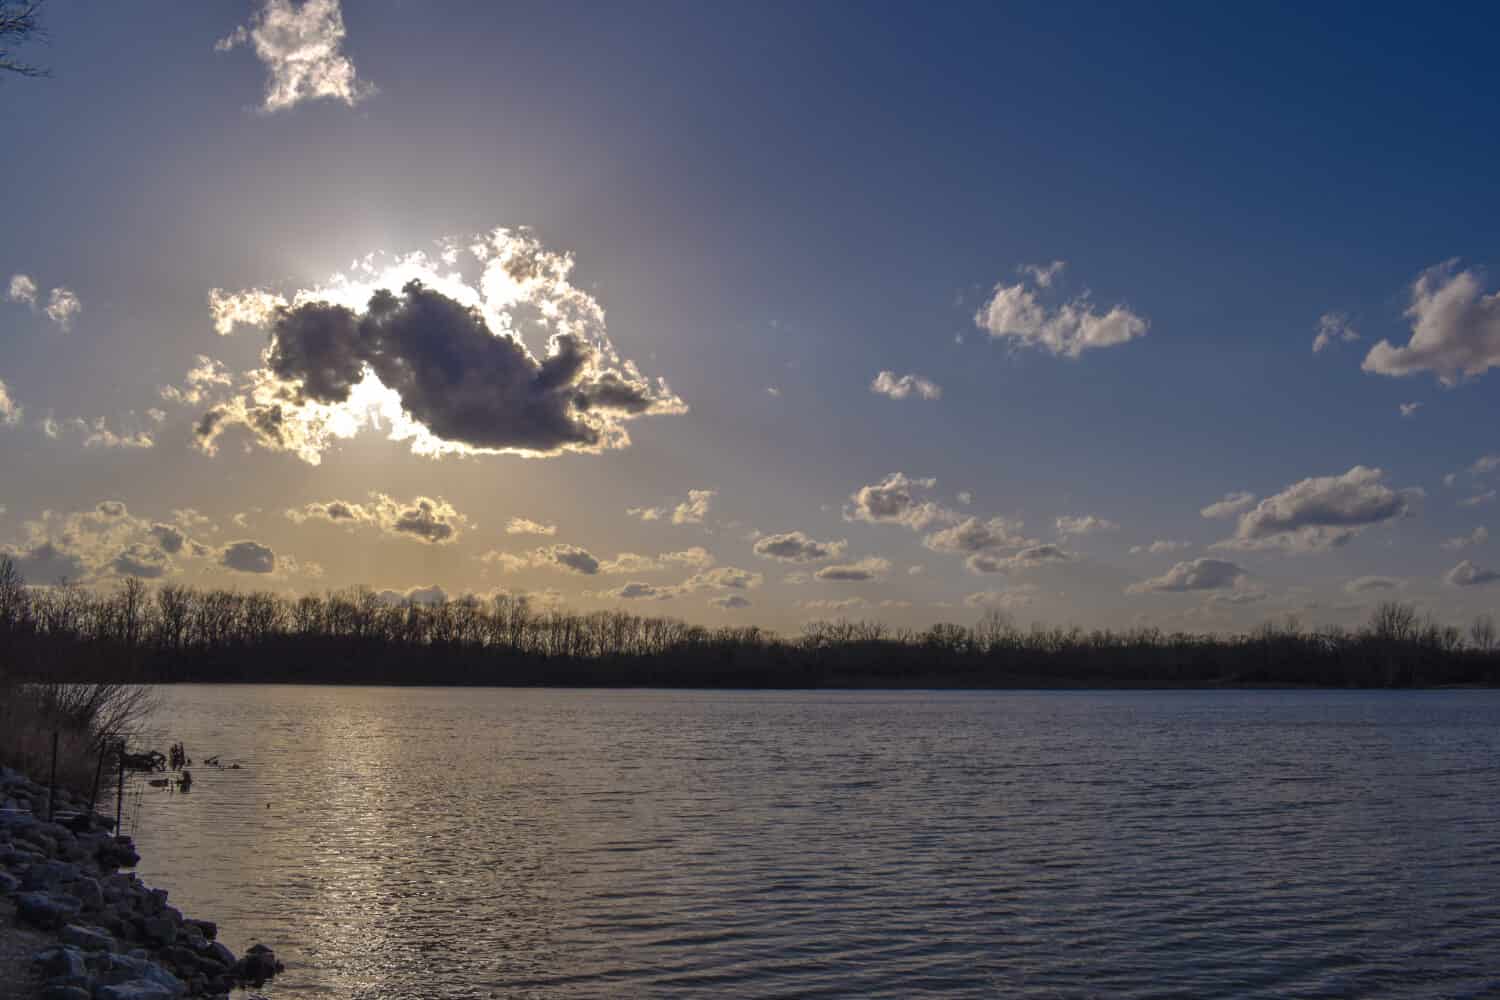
[[548, 843]]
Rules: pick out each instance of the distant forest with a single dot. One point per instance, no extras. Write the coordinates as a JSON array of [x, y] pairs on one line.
[[174, 633]]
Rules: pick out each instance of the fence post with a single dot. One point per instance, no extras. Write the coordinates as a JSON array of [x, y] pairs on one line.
[[98, 773], [120, 792], [52, 785]]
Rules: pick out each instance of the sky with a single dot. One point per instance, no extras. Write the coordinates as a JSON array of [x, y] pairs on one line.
[[1165, 316]]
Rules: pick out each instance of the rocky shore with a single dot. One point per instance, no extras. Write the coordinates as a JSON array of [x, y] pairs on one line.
[[84, 930]]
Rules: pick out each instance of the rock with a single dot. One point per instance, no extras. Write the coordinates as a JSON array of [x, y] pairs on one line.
[[50, 875], [136, 989], [87, 938], [258, 965], [59, 991], [57, 963], [193, 937], [115, 969], [8, 883], [118, 852], [159, 930], [86, 890], [46, 910], [221, 954], [208, 927]]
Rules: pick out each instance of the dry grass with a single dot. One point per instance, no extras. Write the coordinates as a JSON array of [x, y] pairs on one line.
[[85, 717]]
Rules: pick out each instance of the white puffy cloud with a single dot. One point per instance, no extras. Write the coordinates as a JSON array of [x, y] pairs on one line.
[[423, 519], [891, 501], [1232, 505], [301, 48], [1333, 328], [1478, 536], [888, 383], [526, 526], [99, 435], [1087, 524], [797, 547], [629, 562], [973, 534], [10, 410], [690, 511], [1320, 513], [1372, 584], [1161, 545], [730, 602], [1466, 574], [1477, 499], [1455, 329], [202, 381], [1409, 409], [252, 307], [1043, 274], [1027, 558], [63, 307], [697, 557], [1014, 312], [419, 351], [1198, 574], [724, 578], [834, 604], [1020, 596], [22, 289], [869, 568]]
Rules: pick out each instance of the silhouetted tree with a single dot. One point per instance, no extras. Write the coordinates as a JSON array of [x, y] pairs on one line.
[[19, 24]]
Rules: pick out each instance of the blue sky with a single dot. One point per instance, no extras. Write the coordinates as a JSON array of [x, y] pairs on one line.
[[797, 198]]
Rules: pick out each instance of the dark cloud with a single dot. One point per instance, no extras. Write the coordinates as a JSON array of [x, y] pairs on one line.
[[142, 560], [794, 546], [168, 537], [1466, 574], [871, 568], [45, 563], [569, 557], [248, 557], [730, 602], [454, 376], [416, 595]]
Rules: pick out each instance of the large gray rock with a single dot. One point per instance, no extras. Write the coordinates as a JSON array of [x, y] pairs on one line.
[[64, 991], [8, 883], [221, 954], [45, 909], [50, 875], [86, 890], [159, 930], [114, 968], [136, 989], [58, 963], [87, 938]]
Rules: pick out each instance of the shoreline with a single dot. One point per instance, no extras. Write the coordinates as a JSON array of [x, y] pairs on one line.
[[73, 926]]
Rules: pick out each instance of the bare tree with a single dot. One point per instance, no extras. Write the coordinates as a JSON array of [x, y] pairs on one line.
[[1482, 633], [20, 23]]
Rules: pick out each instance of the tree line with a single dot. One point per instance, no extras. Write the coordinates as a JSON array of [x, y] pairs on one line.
[[170, 633]]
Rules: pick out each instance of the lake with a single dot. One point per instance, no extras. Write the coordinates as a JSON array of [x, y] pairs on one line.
[[565, 843]]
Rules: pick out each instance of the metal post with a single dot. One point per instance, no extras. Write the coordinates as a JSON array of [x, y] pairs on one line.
[[52, 786]]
